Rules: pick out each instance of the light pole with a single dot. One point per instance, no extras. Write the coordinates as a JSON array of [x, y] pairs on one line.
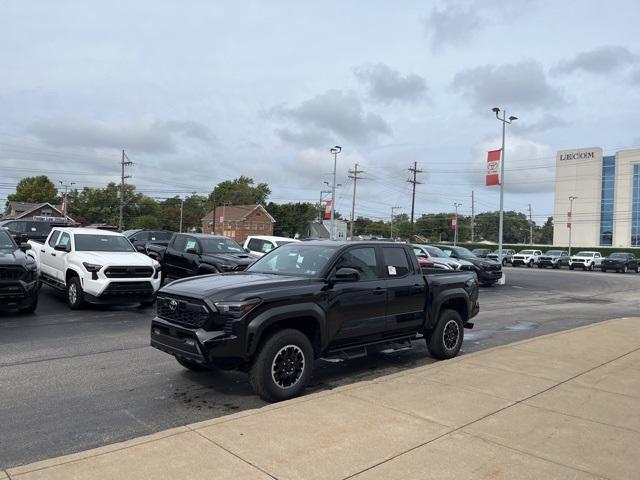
[[504, 121], [335, 151], [181, 210], [455, 231], [393, 209], [571, 199]]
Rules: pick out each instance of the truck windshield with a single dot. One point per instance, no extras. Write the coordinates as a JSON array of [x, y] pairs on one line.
[[618, 255], [102, 243], [6, 242], [584, 254], [295, 259], [554, 253], [220, 245]]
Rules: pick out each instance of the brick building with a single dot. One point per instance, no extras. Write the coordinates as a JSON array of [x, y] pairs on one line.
[[239, 221]]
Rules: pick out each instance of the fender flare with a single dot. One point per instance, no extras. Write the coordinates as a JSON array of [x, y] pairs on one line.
[[77, 271], [453, 294], [262, 322]]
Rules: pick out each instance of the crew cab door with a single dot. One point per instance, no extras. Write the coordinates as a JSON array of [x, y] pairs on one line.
[[173, 261], [406, 290], [357, 309], [191, 256], [57, 259], [45, 254]]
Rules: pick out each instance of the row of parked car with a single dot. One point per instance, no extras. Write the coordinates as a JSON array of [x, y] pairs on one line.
[[586, 260]]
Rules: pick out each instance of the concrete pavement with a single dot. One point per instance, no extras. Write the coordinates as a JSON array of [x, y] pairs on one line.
[[566, 405]]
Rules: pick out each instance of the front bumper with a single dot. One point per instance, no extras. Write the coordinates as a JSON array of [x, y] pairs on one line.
[[549, 263], [489, 276], [17, 294], [105, 291], [213, 348]]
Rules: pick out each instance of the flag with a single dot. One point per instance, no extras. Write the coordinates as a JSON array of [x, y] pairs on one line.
[[327, 210], [493, 168], [454, 221], [568, 219]]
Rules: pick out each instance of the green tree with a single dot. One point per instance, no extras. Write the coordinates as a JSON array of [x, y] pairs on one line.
[[515, 224], [35, 190], [292, 218], [240, 191], [544, 234]]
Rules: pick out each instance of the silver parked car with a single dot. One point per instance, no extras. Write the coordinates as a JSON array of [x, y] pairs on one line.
[[437, 256], [507, 255]]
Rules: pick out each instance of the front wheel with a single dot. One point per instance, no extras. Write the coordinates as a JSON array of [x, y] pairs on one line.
[[446, 339], [591, 267], [75, 295], [637, 269], [530, 264], [624, 269], [282, 368], [604, 269], [504, 262]]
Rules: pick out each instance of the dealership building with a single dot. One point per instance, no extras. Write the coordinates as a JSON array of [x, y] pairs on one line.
[[605, 210]]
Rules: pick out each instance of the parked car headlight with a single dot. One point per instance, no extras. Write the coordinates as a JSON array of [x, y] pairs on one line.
[[237, 310], [93, 269]]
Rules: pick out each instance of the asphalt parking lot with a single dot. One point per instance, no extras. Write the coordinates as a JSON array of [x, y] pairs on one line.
[[70, 381]]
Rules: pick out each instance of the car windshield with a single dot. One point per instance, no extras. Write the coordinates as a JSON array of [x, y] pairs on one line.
[[556, 253], [128, 233], [436, 252], [584, 254], [480, 250], [618, 255], [527, 252], [102, 243], [295, 259], [460, 251], [6, 242], [220, 245]]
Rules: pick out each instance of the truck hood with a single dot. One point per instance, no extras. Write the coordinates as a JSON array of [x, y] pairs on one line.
[[13, 257], [223, 286], [230, 258], [115, 259], [581, 258]]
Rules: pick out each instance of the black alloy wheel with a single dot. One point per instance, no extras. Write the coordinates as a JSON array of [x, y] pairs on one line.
[[446, 338]]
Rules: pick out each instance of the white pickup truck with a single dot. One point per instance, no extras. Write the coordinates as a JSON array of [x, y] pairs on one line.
[[585, 260], [526, 257], [96, 266]]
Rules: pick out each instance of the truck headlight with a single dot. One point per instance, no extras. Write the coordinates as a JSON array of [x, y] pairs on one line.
[[237, 310], [157, 269], [93, 269]]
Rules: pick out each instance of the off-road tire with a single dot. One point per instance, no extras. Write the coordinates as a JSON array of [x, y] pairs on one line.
[[603, 269], [288, 355], [191, 365], [637, 269], [571, 267], [448, 329], [591, 267], [530, 264], [31, 307], [624, 269], [75, 300]]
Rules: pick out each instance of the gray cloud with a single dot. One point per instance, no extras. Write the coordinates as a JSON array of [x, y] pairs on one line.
[[522, 84], [600, 60], [547, 122], [154, 137], [386, 85], [331, 112]]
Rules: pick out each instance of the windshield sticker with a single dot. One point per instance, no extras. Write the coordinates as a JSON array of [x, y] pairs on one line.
[[392, 270]]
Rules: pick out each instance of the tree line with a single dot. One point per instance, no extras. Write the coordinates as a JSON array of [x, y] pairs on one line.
[[101, 205]]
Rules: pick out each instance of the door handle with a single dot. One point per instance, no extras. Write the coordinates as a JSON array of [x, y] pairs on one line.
[[41, 251], [53, 254], [379, 291]]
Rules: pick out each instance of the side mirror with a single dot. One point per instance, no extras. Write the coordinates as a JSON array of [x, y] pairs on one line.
[[140, 248], [247, 250], [346, 274], [25, 246], [62, 248]]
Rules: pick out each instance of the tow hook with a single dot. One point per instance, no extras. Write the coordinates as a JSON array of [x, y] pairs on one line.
[[468, 325]]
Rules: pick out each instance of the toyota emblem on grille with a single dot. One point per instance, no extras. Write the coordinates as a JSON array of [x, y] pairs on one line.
[[173, 305]]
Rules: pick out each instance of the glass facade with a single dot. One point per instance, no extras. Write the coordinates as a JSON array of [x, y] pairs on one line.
[[607, 199], [635, 207]]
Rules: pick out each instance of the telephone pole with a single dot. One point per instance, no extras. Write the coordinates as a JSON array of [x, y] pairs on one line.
[[455, 231], [530, 227], [473, 217], [354, 175], [123, 164], [334, 151], [414, 182], [66, 186]]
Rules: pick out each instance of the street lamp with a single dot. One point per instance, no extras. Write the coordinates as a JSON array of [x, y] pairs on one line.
[[393, 209], [455, 231], [570, 223], [504, 121], [335, 151]]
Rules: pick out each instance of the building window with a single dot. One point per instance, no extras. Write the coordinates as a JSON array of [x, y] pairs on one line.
[[607, 199], [635, 208]]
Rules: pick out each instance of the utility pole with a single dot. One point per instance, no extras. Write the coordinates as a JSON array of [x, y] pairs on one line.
[[455, 231], [334, 151], [414, 182], [530, 227], [322, 192], [123, 163], [393, 209], [473, 217], [505, 122], [66, 186], [181, 210], [354, 175], [570, 223]]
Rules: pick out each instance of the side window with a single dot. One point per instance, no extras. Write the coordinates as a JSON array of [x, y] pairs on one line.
[[597, 255], [140, 237], [65, 239], [43, 227], [363, 260], [179, 243], [17, 227], [191, 244], [267, 247], [396, 261], [255, 245], [54, 238]]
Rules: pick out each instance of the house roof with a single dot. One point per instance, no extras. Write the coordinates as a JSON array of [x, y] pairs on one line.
[[234, 213], [22, 209]]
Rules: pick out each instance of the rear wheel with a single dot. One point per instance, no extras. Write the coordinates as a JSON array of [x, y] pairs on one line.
[[75, 295], [446, 339], [191, 365], [283, 366], [570, 267], [637, 269]]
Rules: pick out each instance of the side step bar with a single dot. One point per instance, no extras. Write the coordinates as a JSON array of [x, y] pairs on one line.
[[388, 346], [52, 282]]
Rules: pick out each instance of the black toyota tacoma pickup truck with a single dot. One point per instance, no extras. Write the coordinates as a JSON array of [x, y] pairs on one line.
[[191, 254], [312, 299], [18, 275]]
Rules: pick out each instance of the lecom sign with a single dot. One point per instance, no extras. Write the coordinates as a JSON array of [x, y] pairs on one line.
[[577, 156]]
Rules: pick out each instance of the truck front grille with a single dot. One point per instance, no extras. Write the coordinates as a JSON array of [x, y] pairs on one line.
[[128, 272], [188, 312], [11, 274], [133, 288]]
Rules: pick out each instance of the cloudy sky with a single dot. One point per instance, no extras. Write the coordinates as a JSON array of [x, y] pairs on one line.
[[202, 91]]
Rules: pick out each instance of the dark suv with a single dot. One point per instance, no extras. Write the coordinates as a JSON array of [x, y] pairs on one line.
[[18, 275], [141, 238], [488, 271], [620, 262], [25, 230]]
